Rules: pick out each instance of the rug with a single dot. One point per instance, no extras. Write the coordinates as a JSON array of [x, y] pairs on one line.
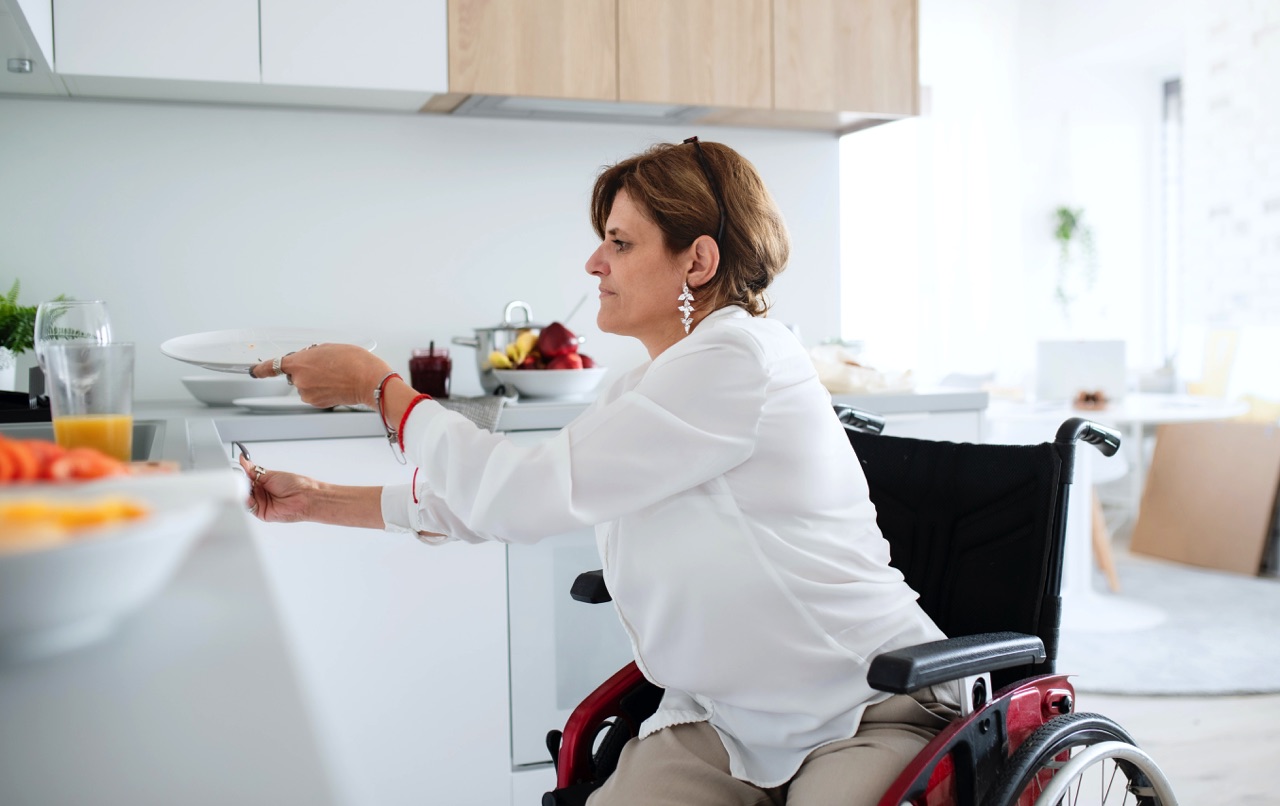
[[1220, 635]]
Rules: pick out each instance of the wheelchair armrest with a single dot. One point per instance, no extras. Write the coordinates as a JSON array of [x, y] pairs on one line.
[[911, 668], [589, 587]]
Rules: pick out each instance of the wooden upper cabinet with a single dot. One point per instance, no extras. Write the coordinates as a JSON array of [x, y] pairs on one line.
[[695, 52], [548, 48], [846, 55]]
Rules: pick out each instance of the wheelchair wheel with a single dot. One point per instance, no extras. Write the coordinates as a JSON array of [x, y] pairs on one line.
[[1081, 759]]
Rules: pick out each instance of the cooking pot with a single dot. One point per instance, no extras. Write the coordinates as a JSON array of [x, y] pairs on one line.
[[516, 318]]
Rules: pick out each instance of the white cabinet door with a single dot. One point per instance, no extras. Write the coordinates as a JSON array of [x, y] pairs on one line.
[[195, 40], [400, 648], [363, 44]]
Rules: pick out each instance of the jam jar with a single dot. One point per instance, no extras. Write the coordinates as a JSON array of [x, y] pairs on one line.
[[429, 371]]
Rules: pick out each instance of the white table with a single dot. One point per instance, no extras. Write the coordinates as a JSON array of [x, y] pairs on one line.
[[1134, 414], [1083, 607]]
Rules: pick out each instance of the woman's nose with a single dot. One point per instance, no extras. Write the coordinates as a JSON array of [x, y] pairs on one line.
[[596, 263]]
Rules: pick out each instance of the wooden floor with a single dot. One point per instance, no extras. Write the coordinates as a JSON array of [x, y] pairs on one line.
[[1215, 750]]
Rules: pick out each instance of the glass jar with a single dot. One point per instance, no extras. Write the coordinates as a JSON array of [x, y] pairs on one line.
[[429, 371]]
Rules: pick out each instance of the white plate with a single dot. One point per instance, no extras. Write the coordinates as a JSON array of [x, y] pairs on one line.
[[238, 350], [275, 405]]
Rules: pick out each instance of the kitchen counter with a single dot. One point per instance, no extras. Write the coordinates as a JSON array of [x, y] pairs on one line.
[[196, 700]]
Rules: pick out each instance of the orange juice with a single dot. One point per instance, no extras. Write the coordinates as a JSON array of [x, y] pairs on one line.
[[110, 433]]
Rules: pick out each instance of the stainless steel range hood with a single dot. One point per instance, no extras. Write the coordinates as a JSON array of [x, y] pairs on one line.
[[505, 106]]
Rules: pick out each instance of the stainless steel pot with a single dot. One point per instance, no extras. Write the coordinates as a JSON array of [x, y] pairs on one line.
[[516, 318]]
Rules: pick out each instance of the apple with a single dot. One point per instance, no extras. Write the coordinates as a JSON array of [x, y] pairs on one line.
[[566, 361], [587, 361], [556, 340]]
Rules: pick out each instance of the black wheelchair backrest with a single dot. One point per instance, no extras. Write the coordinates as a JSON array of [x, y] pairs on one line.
[[976, 530]]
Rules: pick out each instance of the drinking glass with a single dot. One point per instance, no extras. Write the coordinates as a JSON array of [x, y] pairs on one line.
[[70, 321], [91, 396]]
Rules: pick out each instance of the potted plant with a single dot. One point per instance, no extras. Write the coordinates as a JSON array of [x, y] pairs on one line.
[[17, 333], [1075, 246]]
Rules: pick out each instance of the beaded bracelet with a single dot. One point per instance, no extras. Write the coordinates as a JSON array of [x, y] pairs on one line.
[[392, 434]]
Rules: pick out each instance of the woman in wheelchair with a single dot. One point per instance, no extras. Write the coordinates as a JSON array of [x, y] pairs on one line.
[[737, 537]]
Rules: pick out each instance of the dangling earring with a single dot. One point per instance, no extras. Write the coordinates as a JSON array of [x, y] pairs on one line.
[[686, 307]]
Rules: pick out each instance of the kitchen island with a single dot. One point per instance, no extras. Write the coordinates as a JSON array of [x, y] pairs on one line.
[[223, 689]]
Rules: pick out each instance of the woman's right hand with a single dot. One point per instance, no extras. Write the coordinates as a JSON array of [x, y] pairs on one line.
[[276, 496]]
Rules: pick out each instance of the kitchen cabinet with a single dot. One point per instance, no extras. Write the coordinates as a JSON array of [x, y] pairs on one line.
[[367, 44], [551, 49], [192, 40], [696, 52], [834, 65], [837, 55], [373, 54], [399, 648]]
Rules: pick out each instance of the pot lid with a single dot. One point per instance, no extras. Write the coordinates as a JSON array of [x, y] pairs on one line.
[[516, 316]]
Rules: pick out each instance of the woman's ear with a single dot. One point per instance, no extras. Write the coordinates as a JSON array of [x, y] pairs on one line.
[[705, 254]]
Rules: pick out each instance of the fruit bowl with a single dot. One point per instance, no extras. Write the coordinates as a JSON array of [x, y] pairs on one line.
[[68, 593], [551, 383], [220, 390]]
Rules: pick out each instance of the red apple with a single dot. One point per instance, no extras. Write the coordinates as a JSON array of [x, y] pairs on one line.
[[556, 339], [566, 361], [587, 361]]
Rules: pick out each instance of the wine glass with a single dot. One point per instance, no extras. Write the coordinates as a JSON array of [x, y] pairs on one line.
[[70, 321]]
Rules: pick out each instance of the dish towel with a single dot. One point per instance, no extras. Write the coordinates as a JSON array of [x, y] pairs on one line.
[[484, 411]]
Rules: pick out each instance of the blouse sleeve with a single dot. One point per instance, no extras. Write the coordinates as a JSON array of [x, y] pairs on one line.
[[691, 417]]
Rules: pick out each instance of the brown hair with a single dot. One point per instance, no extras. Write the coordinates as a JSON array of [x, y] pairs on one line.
[[669, 184]]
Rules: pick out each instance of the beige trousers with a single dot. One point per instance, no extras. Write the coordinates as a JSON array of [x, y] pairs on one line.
[[687, 765]]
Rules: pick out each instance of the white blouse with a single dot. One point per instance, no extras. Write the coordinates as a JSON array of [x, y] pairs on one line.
[[734, 526]]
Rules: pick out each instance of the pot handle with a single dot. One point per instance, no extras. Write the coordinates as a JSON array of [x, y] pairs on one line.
[[463, 341], [512, 307]]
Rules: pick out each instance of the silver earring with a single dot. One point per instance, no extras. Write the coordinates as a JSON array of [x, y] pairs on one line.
[[686, 307]]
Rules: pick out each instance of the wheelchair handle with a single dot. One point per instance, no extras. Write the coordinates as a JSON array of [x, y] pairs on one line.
[[858, 420], [1106, 440]]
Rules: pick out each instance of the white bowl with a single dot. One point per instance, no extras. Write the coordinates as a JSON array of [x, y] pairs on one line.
[[220, 390], [551, 383], [58, 597]]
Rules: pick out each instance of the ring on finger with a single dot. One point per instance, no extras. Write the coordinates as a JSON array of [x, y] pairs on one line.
[[258, 473], [253, 507], [275, 365]]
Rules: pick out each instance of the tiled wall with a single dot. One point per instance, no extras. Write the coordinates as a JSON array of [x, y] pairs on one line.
[[1230, 271]]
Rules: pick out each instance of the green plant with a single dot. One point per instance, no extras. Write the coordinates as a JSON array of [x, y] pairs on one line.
[[17, 322], [1075, 245]]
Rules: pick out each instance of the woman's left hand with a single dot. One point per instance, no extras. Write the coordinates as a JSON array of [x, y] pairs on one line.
[[328, 375], [276, 496]]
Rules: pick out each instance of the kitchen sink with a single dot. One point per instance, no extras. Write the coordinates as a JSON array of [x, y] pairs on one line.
[[148, 436]]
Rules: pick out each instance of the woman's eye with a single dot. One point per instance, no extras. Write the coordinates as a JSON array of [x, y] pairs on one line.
[[620, 245]]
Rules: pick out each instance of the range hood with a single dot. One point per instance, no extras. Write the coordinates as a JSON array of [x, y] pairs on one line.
[[506, 106]]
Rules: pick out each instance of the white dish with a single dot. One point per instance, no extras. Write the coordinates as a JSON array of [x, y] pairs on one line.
[[291, 404], [221, 390], [551, 383], [58, 597], [238, 350]]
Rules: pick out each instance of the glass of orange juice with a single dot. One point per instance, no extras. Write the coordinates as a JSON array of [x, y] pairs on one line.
[[90, 390]]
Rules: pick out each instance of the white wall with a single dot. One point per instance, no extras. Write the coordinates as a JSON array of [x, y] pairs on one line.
[[409, 228], [1032, 105]]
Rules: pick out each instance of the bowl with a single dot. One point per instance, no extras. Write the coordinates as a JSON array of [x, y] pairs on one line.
[[220, 390], [551, 383], [61, 596]]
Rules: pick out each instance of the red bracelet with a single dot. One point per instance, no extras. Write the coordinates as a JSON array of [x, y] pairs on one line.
[[378, 394], [405, 418]]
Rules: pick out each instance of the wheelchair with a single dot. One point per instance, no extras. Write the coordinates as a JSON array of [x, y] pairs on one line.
[[978, 532]]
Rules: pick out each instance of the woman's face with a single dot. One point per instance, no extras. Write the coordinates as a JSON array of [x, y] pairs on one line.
[[639, 279]]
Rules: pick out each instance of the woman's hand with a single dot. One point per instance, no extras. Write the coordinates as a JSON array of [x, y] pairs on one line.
[[328, 375], [276, 496]]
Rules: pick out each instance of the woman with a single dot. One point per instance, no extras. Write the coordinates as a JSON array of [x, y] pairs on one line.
[[734, 524]]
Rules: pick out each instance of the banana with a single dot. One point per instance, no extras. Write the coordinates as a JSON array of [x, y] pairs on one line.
[[521, 347], [499, 360]]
